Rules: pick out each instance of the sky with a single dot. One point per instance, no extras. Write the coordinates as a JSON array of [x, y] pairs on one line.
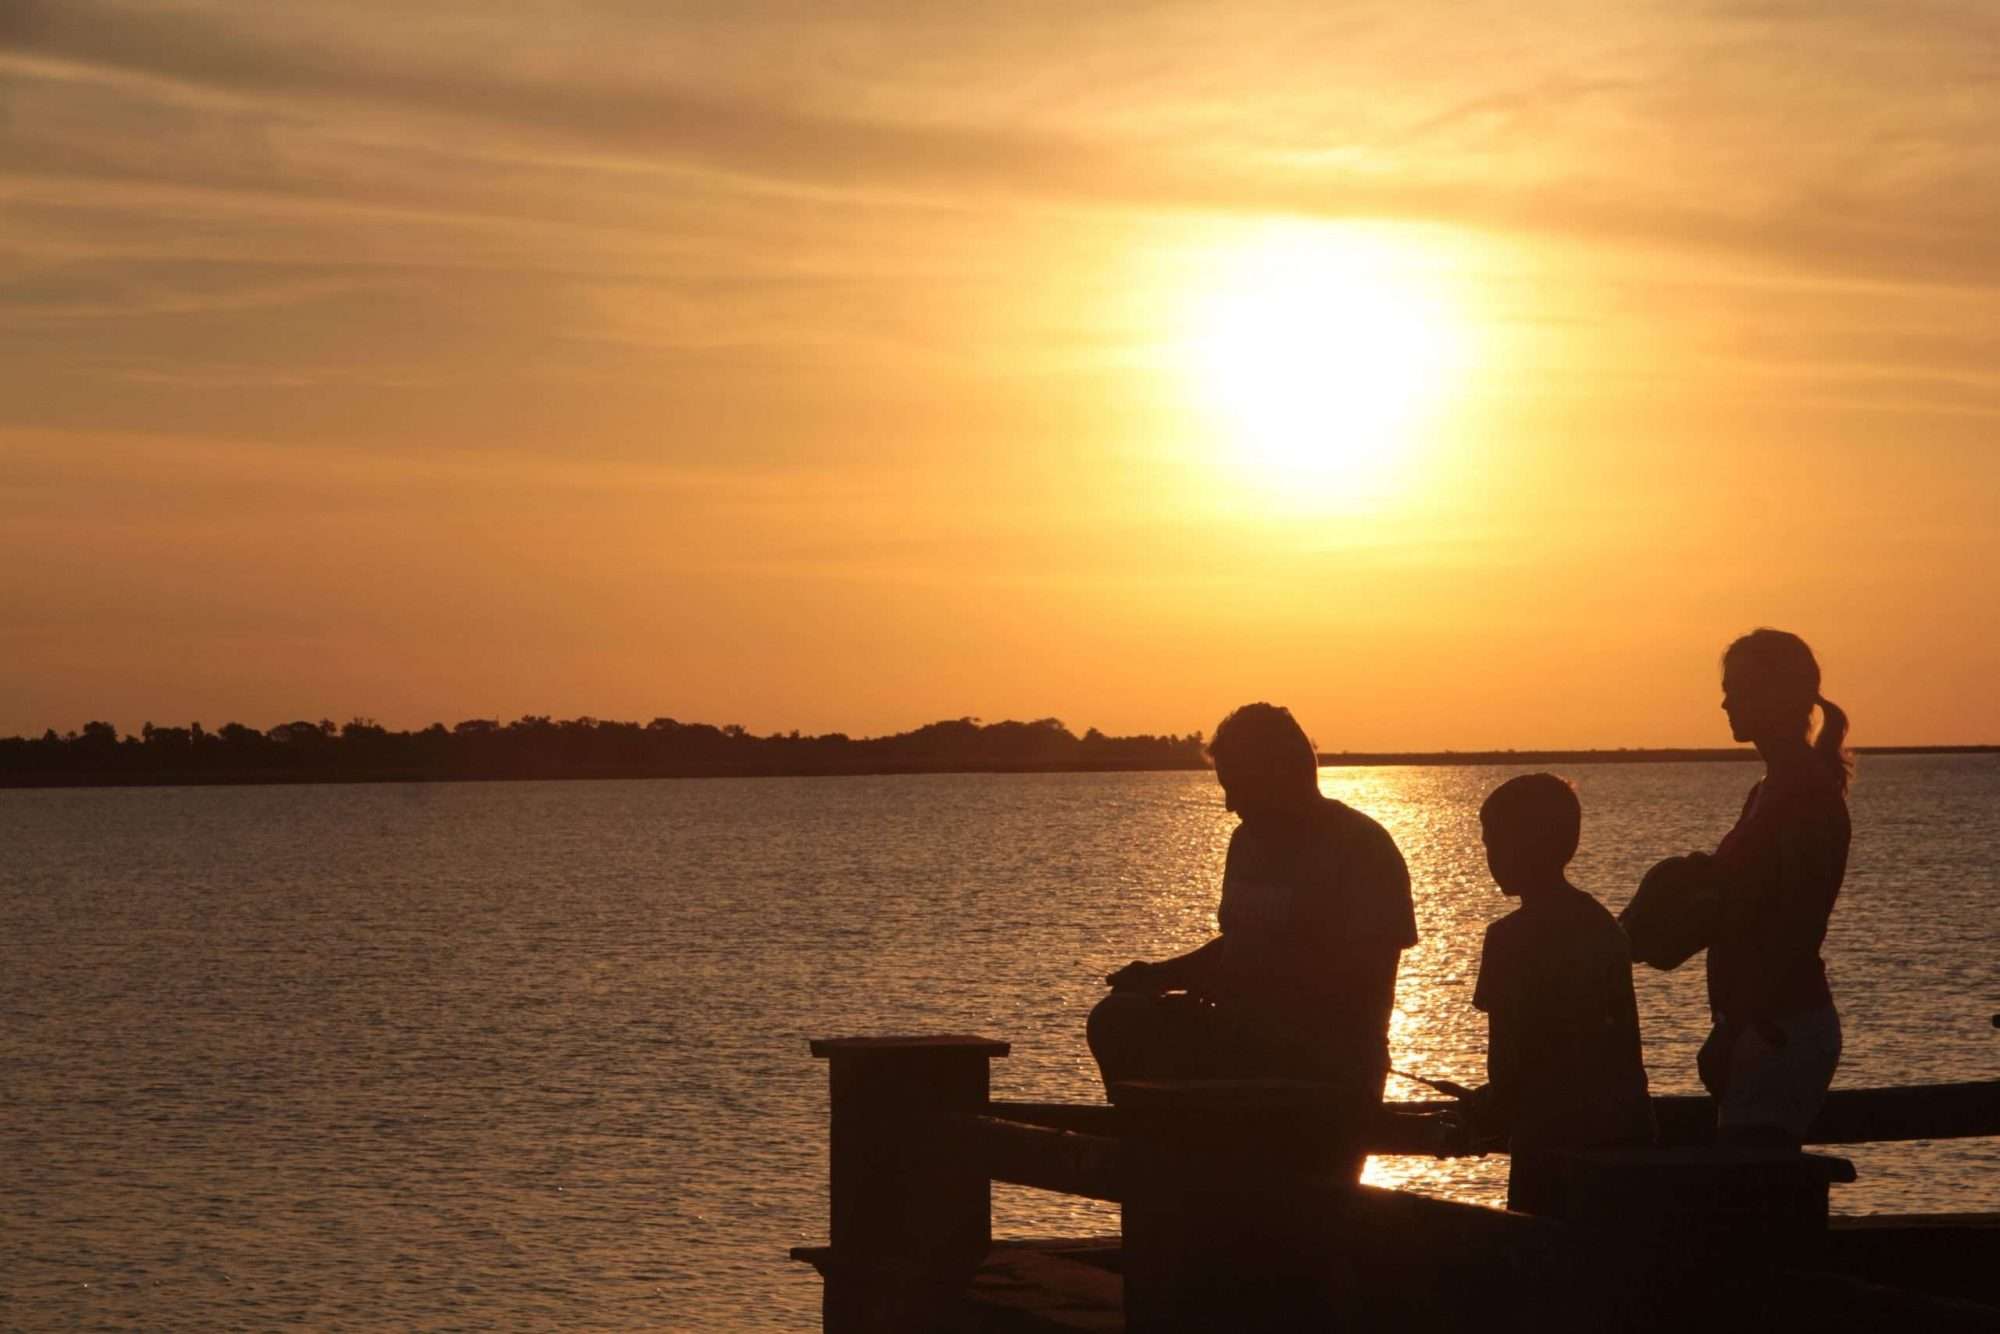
[[1460, 377]]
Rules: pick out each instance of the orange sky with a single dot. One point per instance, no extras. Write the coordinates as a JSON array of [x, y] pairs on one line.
[[1459, 383]]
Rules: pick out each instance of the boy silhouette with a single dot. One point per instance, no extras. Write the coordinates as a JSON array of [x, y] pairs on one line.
[[1563, 1059]]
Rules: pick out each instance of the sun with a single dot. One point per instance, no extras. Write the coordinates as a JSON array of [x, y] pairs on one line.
[[1319, 353]]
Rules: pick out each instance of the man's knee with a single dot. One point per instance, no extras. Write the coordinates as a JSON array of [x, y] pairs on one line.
[[1116, 1019]]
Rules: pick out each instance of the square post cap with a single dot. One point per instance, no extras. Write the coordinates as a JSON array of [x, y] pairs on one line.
[[946, 1044]]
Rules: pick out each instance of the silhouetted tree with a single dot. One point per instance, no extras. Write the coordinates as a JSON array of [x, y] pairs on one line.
[[536, 745]]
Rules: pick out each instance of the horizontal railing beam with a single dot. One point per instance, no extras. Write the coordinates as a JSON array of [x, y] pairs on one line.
[[1088, 1118], [1850, 1116], [1044, 1158]]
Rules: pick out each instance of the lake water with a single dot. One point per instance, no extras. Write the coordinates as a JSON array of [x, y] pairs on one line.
[[534, 1055]]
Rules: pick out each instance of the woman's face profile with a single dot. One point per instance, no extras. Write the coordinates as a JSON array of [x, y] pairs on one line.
[[1754, 709]]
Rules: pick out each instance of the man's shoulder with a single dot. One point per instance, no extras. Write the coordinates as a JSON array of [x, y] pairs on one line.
[[1341, 815], [1374, 878], [1355, 829]]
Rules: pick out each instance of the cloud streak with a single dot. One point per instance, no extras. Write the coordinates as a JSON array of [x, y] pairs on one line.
[[1532, 154]]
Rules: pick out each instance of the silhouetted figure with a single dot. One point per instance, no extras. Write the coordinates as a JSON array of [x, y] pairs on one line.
[[1315, 914], [1762, 900], [1777, 1034], [1563, 1058]]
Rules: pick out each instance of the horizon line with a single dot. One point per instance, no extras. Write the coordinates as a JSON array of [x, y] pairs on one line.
[[1350, 756]]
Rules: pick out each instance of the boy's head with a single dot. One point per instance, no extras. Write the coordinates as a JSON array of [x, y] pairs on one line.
[[1531, 825]]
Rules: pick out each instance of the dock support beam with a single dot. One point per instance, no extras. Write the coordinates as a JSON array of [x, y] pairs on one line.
[[912, 1218]]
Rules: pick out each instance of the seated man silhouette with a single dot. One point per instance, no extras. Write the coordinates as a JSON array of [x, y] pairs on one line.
[[1314, 917]]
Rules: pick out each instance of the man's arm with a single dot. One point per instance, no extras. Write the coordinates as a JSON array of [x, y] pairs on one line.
[[1192, 971]]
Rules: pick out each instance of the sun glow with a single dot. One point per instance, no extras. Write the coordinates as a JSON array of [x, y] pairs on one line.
[[1320, 353]]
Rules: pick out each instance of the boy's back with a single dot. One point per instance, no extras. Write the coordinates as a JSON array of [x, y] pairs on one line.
[[1564, 1059]]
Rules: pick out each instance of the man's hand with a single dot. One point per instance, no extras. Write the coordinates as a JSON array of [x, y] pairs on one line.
[[1468, 1128], [1138, 976]]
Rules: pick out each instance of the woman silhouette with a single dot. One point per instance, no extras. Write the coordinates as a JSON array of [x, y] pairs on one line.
[[1776, 1039]]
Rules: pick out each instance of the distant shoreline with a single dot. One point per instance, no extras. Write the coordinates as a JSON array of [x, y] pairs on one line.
[[1652, 755], [1330, 759]]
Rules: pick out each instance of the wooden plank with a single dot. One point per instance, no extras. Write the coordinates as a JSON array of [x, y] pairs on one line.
[[1851, 1116], [898, 1043], [1088, 1118], [1044, 1158], [1922, 1111]]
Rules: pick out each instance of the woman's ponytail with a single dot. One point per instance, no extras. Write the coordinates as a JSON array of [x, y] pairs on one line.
[[1831, 743]]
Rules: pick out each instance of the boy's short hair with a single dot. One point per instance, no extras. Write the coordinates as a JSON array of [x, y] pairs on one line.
[[1542, 808], [1265, 737]]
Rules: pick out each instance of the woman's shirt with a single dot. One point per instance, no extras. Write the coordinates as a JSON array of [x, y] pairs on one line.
[[1780, 870]]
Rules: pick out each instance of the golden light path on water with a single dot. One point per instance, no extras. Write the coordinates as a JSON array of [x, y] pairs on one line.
[[1433, 1032]]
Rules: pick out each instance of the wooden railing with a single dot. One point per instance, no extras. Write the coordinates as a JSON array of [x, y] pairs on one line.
[[1240, 1207]]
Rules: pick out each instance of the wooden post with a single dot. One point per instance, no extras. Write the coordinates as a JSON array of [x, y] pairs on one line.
[[911, 1219], [1232, 1194]]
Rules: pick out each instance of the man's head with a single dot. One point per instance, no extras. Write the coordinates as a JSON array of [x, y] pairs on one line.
[[1531, 825], [1265, 762]]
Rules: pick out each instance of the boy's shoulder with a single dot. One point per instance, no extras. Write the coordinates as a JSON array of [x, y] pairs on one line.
[[1587, 906], [1570, 921], [1594, 937], [1509, 928], [1510, 943]]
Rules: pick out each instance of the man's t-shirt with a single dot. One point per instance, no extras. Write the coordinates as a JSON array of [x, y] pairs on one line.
[[1314, 914], [1564, 1059]]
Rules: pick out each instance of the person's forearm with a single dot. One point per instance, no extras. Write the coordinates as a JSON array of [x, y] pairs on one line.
[[1194, 970]]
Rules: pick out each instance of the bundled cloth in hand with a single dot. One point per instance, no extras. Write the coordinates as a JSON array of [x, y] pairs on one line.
[[1674, 915]]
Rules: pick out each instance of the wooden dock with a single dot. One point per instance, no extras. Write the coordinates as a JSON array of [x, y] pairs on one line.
[[1241, 1210]]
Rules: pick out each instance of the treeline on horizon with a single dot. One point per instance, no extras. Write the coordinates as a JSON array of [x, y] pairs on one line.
[[542, 747], [538, 746]]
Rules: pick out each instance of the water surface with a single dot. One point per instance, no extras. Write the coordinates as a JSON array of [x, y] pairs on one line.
[[533, 1055]]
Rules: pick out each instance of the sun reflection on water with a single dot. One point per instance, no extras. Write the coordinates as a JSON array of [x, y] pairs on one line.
[[1434, 1031]]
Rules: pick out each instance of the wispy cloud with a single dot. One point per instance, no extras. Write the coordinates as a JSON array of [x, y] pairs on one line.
[[331, 193], [1746, 132]]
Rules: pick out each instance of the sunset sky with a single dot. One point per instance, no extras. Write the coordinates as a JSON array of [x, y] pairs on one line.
[[1460, 376]]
